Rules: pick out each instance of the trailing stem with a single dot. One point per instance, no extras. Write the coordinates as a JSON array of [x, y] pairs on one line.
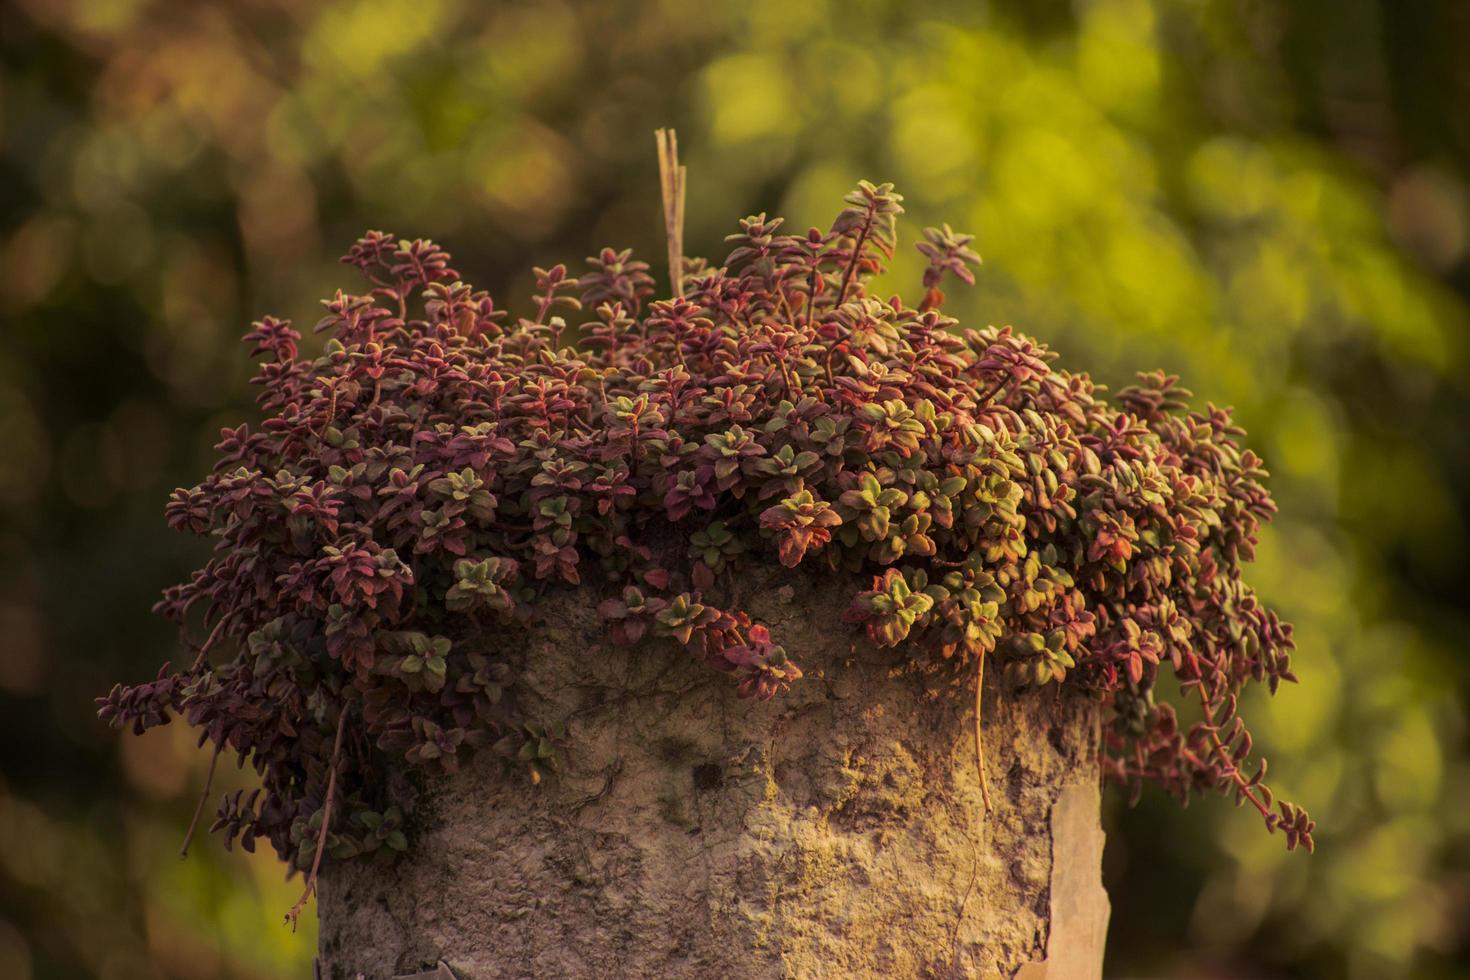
[[1224, 754], [979, 742], [199, 807], [321, 841]]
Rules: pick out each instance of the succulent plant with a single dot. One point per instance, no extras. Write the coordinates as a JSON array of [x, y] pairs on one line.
[[414, 487]]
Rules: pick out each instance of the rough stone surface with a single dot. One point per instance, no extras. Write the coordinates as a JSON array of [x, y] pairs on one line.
[[1079, 905], [836, 831]]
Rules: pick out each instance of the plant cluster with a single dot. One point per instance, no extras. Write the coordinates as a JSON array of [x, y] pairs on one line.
[[413, 489]]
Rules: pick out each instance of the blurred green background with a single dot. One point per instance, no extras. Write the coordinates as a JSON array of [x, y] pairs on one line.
[[1268, 199]]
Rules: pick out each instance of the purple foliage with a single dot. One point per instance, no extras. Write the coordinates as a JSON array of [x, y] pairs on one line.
[[411, 491]]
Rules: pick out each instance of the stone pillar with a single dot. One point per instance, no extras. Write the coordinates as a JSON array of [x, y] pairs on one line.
[[835, 831]]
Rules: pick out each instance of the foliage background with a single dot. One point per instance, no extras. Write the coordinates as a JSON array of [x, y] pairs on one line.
[[1269, 199]]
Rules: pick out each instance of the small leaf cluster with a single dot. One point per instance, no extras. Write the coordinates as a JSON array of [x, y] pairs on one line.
[[413, 489]]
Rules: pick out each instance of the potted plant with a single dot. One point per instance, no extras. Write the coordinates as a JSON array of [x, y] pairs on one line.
[[472, 572]]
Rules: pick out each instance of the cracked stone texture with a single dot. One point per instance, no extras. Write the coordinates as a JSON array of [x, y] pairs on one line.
[[835, 831]]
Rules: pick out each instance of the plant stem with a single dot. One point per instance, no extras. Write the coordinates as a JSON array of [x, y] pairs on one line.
[[199, 807], [671, 180], [857, 256], [209, 642], [321, 840], [1224, 754], [979, 743], [989, 395]]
